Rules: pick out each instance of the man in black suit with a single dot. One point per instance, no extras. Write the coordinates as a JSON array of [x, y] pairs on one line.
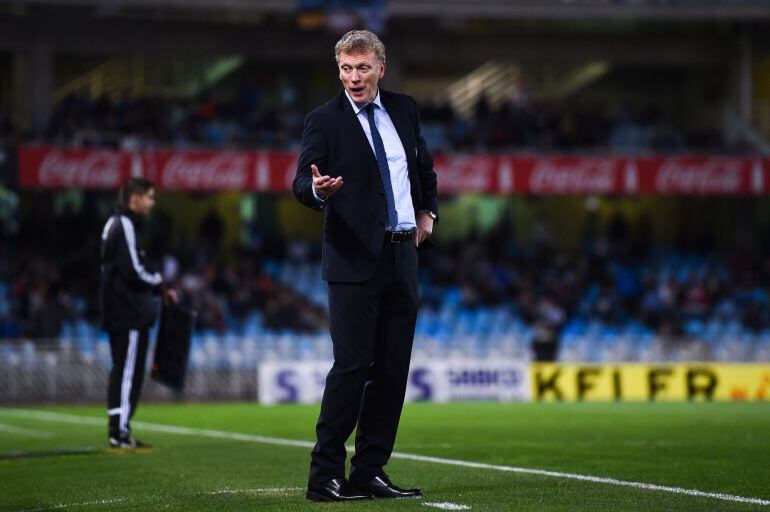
[[365, 164]]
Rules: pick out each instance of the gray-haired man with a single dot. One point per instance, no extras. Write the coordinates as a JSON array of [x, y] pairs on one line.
[[364, 163]]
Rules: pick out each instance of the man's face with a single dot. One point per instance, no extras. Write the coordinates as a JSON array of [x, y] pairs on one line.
[[360, 73], [143, 204]]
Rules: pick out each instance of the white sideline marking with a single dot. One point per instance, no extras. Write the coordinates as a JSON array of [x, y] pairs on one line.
[[275, 490], [272, 490], [218, 434], [24, 431], [447, 506], [587, 478], [83, 504]]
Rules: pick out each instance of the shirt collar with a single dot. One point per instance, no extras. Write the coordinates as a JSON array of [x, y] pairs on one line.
[[377, 101]]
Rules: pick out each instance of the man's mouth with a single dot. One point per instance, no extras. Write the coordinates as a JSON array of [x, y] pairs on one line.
[[356, 90]]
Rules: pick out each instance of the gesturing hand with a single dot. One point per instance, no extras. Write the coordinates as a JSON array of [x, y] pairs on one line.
[[325, 186]]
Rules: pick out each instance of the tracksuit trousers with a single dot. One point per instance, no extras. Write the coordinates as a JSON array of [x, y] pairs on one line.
[[129, 353]]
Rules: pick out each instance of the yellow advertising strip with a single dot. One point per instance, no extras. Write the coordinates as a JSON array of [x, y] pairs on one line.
[[650, 382]]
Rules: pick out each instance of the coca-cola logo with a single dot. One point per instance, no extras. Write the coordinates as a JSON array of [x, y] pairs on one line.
[[95, 169], [706, 176], [578, 176], [202, 172], [465, 174]]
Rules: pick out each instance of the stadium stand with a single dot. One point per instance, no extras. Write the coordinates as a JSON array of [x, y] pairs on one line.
[[589, 78], [254, 119], [615, 299]]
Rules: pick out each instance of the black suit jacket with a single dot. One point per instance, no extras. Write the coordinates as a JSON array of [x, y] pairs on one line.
[[354, 217]]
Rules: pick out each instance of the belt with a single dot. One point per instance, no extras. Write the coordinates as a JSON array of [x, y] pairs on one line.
[[398, 237]]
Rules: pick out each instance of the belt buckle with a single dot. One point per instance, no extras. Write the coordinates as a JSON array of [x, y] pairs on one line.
[[393, 237]]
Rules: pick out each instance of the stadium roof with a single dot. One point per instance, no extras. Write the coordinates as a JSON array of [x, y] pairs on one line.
[[749, 10]]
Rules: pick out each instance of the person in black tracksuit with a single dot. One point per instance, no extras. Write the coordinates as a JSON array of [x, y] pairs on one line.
[[127, 305]]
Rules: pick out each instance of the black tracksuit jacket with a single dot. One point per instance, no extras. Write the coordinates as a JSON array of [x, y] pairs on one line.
[[127, 287]]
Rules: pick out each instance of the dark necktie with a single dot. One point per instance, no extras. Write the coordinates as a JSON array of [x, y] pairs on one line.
[[382, 165]]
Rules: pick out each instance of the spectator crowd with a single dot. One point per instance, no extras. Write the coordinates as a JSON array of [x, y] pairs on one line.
[[257, 118], [615, 278]]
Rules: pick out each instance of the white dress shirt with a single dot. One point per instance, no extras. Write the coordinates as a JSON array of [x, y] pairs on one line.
[[397, 164]]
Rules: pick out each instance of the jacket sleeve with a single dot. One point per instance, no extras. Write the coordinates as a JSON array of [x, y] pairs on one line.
[[127, 260], [314, 150], [425, 173]]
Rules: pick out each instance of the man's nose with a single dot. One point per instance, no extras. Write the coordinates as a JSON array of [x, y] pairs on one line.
[[355, 76]]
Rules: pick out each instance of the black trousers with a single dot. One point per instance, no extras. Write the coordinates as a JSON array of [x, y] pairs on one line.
[[372, 329], [129, 353]]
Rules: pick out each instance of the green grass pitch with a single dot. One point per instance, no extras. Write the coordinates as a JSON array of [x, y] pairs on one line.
[[710, 447]]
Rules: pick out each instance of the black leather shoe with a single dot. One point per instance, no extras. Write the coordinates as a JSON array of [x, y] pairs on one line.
[[381, 487], [336, 489]]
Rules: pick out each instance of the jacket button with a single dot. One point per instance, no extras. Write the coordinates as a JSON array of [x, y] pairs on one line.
[[382, 223]]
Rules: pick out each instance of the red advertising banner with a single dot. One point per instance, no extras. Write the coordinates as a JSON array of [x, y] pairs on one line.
[[568, 175], [200, 170], [74, 168], [467, 174], [699, 175], [273, 171]]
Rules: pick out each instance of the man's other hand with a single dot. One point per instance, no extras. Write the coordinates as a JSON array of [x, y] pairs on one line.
[[325, 186], [424, 228], [171, 296]]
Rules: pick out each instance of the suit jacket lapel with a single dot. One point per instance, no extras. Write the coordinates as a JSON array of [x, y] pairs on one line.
[[405, 132], [408, 140], [353, 127]]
